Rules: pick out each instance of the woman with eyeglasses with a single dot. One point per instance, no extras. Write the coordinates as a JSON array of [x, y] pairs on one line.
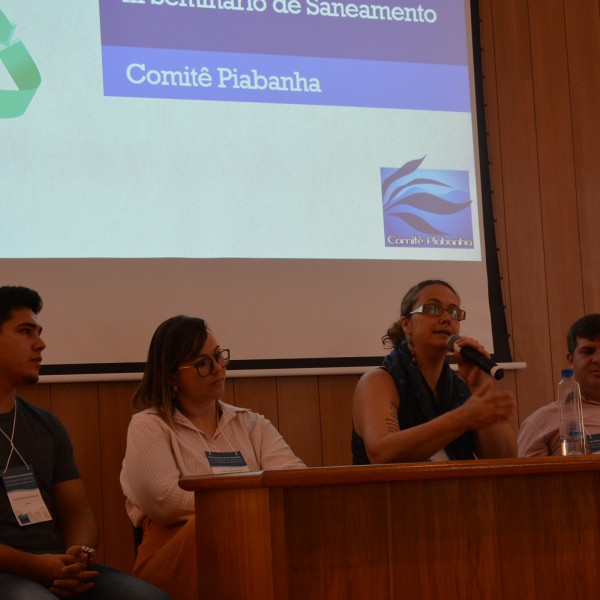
[[184, 428], [415, 407]]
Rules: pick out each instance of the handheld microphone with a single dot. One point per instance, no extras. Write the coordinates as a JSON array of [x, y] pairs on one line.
[[475, 357]]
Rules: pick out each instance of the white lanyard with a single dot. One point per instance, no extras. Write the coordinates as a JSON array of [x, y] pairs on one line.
[[10, 441], [223, 462], [217, 432], [21, 487]]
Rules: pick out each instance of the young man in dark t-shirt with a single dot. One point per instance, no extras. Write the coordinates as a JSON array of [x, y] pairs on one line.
[[48, 533]]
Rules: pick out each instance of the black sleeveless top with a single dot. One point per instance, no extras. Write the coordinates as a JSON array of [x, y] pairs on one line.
[[418, 404]]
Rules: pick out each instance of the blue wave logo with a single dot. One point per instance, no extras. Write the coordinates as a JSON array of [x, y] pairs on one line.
[[426, 207]]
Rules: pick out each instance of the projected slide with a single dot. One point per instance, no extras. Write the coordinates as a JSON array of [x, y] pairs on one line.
[[304, 129], [284, 51], [286, 169]]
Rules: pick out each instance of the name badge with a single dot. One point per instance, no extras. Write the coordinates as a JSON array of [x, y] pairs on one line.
[[594, 442], [226, 462], [24, 496]]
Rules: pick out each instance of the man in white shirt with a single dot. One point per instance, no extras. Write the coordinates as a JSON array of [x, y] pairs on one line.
[[539, 435]]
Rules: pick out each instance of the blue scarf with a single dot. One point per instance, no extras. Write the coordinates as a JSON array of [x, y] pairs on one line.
[[417, 401]]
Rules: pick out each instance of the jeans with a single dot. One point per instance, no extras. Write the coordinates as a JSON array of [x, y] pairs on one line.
[[109, 585]]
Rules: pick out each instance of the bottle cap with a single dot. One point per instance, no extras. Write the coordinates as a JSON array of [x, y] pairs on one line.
[[566, 373]]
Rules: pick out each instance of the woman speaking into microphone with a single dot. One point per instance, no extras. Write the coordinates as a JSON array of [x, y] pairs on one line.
[[415, 407]]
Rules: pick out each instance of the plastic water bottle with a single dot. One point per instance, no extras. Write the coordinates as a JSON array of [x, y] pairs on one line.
[[572, 438]]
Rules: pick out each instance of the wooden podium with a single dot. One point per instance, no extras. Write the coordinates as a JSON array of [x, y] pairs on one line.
[[519, 528]]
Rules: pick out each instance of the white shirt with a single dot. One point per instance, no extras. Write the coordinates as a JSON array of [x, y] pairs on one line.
[[539, 433], [158, 456]]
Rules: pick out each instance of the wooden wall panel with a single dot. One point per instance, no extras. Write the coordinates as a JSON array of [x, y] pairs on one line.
[[335, 396], [562, 253], [525, 245], [542, 75], [299, 417], [76, 405], [115, 413], [259, 395], [541, 60], [582, 22], [228, 397], [36, 394], [509, 383]]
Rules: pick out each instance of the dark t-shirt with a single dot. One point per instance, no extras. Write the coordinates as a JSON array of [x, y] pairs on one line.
[[44, 443]]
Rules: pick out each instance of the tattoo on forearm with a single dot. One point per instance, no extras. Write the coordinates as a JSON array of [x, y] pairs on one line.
[[392, 420]]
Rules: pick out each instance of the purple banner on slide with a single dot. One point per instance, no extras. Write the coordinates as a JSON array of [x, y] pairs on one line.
[[412, 31], [182, 74]]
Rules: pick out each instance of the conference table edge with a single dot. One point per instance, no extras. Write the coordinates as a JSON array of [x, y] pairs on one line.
[[343, 475]]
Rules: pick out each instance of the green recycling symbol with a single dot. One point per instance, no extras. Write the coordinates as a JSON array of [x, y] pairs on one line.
[[22, 69]]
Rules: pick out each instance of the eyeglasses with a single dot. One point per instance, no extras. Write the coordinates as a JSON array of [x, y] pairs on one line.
[[206, 365], [435, 310]]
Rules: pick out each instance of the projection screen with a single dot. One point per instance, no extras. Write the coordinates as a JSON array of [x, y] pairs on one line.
[[286, 169]]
